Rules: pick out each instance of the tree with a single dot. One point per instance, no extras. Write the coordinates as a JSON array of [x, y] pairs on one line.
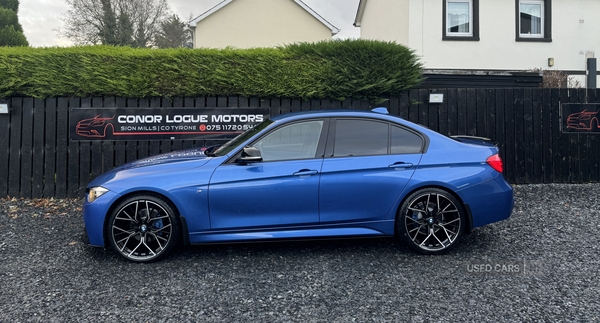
[[173, 33], [108, 30], [11, 37], [11, 32], [114, 22], [10, 4]]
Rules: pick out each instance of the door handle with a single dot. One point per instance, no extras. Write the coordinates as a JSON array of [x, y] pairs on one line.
[[305, 172], [401, 165]]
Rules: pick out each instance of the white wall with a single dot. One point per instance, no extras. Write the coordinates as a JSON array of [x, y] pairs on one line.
[[575, 31]]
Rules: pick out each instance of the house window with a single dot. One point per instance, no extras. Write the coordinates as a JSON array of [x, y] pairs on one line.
[[533, 20], [461, 20]]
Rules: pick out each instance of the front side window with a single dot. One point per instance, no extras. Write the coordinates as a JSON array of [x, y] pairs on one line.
[[533, 20], [461, 20], [294, 141], [241, 138]]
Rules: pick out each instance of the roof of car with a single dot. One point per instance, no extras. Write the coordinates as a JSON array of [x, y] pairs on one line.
[[331, 113]]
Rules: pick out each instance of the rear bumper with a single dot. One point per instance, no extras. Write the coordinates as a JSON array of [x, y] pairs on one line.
[[489, 202]]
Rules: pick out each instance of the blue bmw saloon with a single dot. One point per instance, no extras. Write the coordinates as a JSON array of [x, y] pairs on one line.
[[318, 174]]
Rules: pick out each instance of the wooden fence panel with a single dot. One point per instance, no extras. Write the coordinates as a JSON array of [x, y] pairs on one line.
[[528, 154], [548, 128], [5, 136], [27, 147], [499, 123], [537, 161], [41, 161], [510, 161], [37, 173], [50, 148], [452, 104], [14, 157], [594, 144], [62, 142], [557, 141]]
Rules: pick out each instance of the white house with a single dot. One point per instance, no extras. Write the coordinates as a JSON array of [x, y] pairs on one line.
[[489, 36], [259, 23]]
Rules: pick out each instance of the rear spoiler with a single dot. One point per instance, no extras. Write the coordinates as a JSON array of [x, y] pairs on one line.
[[475, 140]]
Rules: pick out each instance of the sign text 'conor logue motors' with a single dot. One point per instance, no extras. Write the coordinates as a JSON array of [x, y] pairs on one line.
[[163, 124]]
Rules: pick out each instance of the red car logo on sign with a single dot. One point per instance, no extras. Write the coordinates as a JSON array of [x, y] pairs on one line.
[[95, 127], [584, 120]]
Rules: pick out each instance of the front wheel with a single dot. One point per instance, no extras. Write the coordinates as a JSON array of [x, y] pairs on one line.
[[431, 221], [143, 228]]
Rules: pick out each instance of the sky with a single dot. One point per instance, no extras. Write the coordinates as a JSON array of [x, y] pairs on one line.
[[41, 19]]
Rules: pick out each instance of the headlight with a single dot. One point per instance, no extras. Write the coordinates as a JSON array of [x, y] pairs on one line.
[[95, 192]]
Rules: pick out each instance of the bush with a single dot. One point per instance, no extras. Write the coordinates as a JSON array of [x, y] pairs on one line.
[[330, 69]]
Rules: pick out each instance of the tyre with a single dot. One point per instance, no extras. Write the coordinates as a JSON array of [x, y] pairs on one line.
[[143, 228], [431, 221]]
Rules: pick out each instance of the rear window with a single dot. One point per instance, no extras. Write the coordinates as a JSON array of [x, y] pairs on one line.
[[355, 137]]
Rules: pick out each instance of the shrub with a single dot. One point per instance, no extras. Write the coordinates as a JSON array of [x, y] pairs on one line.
[[330, 69]]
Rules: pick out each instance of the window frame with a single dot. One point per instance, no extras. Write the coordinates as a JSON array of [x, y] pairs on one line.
[[473, 35], [331, 138], [546, 22], [408, 130], [315, 139], [320, 145]]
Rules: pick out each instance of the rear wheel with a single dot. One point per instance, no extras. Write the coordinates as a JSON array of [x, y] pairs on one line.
[[143, 228], [431, 221]]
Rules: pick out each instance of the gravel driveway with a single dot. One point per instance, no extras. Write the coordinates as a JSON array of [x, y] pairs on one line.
[[541, 265]]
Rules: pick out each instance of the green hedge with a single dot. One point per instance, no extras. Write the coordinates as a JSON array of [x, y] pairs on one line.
[[333, 69]]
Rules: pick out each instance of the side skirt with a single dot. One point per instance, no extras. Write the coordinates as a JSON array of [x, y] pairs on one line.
[[362, 229]]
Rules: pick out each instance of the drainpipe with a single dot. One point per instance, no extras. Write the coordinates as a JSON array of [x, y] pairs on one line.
[[592, 74]]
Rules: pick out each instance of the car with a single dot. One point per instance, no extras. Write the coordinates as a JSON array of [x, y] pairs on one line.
[[584, 120], [305, 175], [96, 127]]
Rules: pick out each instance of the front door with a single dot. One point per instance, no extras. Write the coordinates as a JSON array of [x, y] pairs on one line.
[[281, 190]]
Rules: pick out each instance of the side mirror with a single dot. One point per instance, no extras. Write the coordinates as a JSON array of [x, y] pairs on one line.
[[249, 154]]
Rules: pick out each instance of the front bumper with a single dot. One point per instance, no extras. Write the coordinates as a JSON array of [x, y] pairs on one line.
[[94, 218]]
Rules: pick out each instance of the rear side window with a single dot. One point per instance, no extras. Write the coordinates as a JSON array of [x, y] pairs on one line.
[[360, 138], [405, 142], [355, 137]]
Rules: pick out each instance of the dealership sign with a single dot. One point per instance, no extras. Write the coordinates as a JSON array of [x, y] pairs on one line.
[[580, 118], [162, 124]]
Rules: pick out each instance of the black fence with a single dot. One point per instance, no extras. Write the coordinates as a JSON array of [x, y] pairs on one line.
[[39, 160]]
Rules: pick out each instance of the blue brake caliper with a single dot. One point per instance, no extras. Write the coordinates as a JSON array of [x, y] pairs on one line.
[[158, 224]]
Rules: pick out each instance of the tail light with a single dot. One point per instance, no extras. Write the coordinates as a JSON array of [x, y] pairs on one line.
[[496, 162]]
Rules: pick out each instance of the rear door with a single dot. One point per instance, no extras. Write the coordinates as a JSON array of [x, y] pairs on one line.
[[368, 163]]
